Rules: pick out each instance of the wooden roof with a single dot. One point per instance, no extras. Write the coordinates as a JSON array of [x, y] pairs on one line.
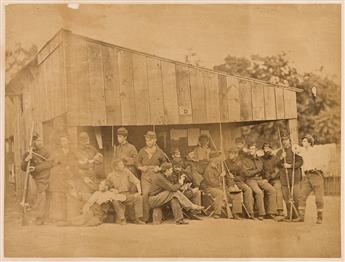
[[100, 84]]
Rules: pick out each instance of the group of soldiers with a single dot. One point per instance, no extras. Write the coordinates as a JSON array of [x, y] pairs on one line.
[[72, 189]]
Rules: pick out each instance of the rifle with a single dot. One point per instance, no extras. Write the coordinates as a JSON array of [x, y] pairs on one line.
[[292, 205], [228, 210], [24, 203]]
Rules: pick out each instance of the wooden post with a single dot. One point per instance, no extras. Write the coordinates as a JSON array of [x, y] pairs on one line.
[[293, 130]]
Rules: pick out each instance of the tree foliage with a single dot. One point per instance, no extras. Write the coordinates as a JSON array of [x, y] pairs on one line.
[[318, 116]]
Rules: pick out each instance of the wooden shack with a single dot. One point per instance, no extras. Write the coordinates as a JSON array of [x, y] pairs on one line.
[[96, 86]]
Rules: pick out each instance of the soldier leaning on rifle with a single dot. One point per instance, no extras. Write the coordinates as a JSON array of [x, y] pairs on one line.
[[40, 171], [253, 170], [149, 160], [126, 151], [271, 173], [288, 154], [313, 180], [213, 184], [234, 164]]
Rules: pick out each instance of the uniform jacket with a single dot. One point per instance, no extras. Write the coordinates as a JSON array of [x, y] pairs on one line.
[[160, 183], [270, 163], [88, 152], [122, 180], [204, 153], [42, 168], [252, 167], [236, 169], [127, 152], [156, 159], [212, 177], [289, 160], [65, 166]]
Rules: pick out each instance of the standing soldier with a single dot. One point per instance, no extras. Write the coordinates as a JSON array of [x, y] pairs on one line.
[[126, 151], [90, 163], [313, 180], [233, 164], [60, 182], [149, 160], [271, 173], [253, 169], [285, 166], [40, 171]]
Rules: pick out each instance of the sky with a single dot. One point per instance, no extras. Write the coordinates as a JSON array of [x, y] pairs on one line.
[[309, 34]]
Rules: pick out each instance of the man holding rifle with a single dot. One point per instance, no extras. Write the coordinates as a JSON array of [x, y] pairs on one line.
[[213, 184], [288, 160], [40, 171]]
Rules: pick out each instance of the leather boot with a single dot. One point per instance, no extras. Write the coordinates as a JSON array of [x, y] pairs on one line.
[[300, 218]]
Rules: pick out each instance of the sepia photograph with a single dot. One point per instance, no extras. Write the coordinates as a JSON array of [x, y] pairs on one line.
[[171, 130]]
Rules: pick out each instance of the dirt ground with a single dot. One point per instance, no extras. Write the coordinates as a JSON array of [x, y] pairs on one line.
[[221, 238]]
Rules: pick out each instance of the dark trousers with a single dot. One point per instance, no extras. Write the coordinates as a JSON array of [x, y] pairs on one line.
[[42, 205], [131, 201], [42, 200], [164, 198], [218, 199], [312, 183], [259, 187], [145, 188], [248, 198], [296, 196], [279, 194]]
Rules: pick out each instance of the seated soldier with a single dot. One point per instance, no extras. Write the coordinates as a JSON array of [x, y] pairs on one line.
[[253, 170], [271, 173], [121, 179], [234, 167], [162, 191], [213, 184], [96, 208], [201, 156], [180, 169]]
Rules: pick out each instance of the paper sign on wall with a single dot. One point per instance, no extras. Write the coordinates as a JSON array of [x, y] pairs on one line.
[[193, 136]]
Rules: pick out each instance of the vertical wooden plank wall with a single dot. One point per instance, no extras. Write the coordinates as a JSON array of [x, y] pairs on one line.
[[246, 100], [96, 79], [141, 91], [155, 91], [198, 96], [280, 103], [111, 86], [223, 98], [170, 92], [184, 94], [77, 80], [233, 99], [270, 103], [258, 101], [126, 88], [212, 95]]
